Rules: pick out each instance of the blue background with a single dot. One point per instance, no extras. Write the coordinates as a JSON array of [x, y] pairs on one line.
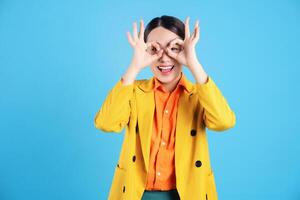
[[59, 59]]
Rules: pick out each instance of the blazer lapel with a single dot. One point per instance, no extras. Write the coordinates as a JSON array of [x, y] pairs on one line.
[[184, 119], [145, 108], [183, 123]]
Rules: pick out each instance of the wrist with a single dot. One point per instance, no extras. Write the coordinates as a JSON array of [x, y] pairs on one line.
[[199, 73], [130, 75], [194, 63], [135, 67]]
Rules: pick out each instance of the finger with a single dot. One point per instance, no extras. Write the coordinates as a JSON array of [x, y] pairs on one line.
[[158, 54], [197, 34], [196, 31], [141, 34], [156, 46], [130, 40], [153, 43], [176, 41], [187, 27], [152, 47], [193, 35], [171, 54], [176, 45], [135, 33]]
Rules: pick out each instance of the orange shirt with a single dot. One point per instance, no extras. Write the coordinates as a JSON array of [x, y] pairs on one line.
[[161, 175]]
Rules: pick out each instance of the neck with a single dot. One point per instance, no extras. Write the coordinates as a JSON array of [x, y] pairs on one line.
[[172, 85]]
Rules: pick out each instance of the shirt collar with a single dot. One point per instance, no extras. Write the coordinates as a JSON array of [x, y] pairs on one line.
[[148, 85], [181, 83]]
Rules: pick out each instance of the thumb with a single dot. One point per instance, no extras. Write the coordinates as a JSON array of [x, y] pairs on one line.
[[171, 54], [158, 54]]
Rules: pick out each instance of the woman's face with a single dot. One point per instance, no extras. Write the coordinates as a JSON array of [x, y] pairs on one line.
[[166, 69]]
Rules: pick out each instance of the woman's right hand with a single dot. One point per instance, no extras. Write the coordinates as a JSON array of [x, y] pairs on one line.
[[144, 53]]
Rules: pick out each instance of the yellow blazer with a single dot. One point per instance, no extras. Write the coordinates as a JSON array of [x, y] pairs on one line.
[[132, 106]]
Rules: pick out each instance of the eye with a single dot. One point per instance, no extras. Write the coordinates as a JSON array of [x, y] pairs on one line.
[[175, 49], [151, 50]]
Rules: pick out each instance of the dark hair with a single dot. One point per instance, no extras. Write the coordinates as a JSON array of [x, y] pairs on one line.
[[169, 22]]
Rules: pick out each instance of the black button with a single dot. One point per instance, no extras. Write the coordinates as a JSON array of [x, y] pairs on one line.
[[193, 132], [118, 165], [124, 189], [198, 163], [133, 158]]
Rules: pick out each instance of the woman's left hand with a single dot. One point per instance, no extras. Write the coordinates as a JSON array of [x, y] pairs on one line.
[[184, 51]]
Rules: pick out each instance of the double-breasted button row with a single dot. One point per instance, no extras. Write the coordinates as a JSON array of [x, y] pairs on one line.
[[133, 159], [198, 163]]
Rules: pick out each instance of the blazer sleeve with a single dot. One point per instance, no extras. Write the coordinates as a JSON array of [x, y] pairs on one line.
[[217, 113], [114, 113]]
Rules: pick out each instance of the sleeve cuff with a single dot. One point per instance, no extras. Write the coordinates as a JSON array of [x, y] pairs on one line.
[[203, 86], [121, 82]]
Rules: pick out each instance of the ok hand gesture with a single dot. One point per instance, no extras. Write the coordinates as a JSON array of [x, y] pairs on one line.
[[142, 56], [187, 56]]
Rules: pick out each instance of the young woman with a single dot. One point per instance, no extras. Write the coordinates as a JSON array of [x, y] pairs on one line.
[[165, 152]]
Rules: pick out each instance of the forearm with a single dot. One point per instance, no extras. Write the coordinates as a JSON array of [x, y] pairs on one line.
[[130, 75], [198, 72]]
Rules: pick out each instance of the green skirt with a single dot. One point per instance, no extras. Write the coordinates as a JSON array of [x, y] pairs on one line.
[[160, 195]]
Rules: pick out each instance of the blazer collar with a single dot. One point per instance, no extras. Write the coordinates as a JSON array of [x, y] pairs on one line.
[[148, 85]]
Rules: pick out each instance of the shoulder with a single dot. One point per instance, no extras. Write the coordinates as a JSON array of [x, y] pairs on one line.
[[144, 84]]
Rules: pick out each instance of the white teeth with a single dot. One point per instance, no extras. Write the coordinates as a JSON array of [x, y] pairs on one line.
[[168, 67]]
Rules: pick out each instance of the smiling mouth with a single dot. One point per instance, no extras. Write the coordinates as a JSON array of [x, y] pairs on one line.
[[166, 69]]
